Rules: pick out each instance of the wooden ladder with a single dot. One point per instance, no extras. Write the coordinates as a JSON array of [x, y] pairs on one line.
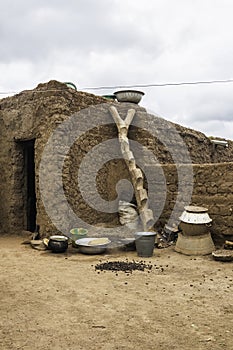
[[137, 178]]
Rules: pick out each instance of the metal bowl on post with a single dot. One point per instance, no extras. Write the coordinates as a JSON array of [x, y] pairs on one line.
[[133, 96]]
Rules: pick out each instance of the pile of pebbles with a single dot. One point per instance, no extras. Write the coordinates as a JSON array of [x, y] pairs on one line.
[[125, 266]]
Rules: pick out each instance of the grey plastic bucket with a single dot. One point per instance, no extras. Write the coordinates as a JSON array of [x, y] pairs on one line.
[[145, 242]]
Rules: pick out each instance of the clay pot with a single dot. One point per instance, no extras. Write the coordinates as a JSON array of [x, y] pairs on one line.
[[195, 221], [194, 245], [194, 229], [194, 238], [58, 244]]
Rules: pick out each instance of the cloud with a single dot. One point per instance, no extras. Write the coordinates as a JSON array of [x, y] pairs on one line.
[[112, 42], [33, 32]]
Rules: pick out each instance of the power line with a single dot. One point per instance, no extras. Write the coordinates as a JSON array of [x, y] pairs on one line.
[[159, 85], [8, 92], [134, 86]]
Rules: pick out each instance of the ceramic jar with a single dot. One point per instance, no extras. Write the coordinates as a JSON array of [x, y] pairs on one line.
[[195, 221]]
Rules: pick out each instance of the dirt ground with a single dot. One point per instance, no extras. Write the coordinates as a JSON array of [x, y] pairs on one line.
[[58, 301]]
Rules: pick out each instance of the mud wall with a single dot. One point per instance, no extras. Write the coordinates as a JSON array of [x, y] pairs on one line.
[[212, 188], [35, 114], [30, 115]]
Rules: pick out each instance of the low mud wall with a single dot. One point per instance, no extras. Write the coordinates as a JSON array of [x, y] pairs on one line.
[[212, 188]]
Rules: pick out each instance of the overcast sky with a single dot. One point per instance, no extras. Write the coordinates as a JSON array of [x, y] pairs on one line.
[[125, 42]]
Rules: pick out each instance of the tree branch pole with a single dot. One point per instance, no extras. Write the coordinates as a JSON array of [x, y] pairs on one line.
[[146, 214]]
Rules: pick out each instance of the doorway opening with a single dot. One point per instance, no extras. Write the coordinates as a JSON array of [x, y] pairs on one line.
[[29, 184]]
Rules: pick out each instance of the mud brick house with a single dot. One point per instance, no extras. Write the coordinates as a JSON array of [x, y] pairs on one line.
[[27, 121]]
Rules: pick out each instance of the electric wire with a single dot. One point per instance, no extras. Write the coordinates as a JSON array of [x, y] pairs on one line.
[[135, 86], [158, 85]]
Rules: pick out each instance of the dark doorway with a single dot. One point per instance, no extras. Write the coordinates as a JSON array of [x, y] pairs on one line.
[[30, 195]]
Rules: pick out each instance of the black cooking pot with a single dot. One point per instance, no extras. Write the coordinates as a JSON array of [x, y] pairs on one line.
[[58, 244]]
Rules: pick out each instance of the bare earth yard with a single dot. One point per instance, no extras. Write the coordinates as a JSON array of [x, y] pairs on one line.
[[58, 301]]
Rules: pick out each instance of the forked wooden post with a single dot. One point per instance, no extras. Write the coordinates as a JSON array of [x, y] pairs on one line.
[[136, 174]]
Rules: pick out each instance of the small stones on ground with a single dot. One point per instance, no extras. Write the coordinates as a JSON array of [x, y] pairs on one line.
[[125, 266]]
